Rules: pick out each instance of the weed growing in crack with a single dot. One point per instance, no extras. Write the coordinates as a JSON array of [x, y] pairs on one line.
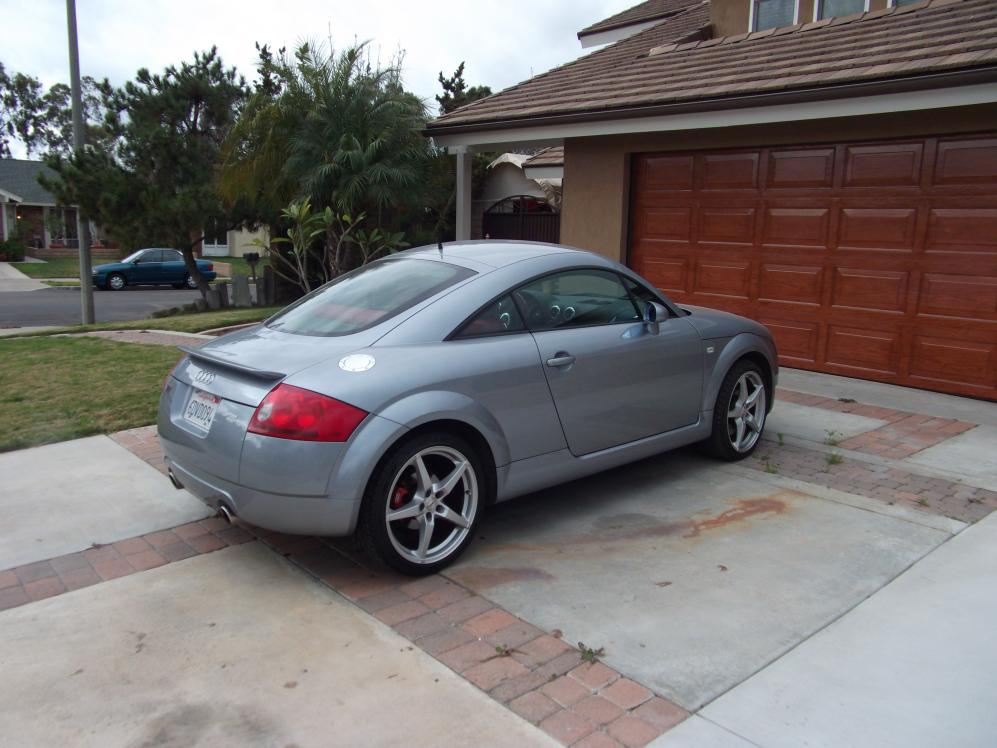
[[590, 654]]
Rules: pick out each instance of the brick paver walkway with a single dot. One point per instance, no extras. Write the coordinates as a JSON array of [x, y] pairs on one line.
[[536, 674]]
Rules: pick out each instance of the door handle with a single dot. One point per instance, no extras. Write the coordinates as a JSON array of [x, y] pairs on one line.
[[561, 359]]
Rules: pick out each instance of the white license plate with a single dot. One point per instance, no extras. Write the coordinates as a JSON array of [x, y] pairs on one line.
[[201, 409]]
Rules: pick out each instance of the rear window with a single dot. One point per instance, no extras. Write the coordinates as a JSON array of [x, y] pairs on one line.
[[367, 296]]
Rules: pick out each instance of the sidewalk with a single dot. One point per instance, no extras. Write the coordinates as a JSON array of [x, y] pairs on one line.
[[12, 279]]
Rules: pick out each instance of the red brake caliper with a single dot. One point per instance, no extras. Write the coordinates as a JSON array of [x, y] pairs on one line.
[[400, 496]]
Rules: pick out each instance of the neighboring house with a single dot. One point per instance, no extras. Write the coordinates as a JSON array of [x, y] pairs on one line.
[[30, 211], [220, 243], [515, 205], [834, 178]]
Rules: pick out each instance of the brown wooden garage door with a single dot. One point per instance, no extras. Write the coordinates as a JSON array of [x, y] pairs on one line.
[[875, 260]]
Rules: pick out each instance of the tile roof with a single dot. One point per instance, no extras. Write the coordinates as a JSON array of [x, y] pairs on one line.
[[21, 177], [658, 66], [553, 156], [647, 11]]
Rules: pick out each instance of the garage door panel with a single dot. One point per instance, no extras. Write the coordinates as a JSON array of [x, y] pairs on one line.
[[800, 284], [879, 290], [666, 224], [667, 173], [954, 361], [797, 341], [862, 348], [970, 230], [728, 171], [670, 274], [877, 228], [883, 165], [720, 278], [727, 225], [958, 295], [874, 259], [796, 226], [966, 162], [796, 168]]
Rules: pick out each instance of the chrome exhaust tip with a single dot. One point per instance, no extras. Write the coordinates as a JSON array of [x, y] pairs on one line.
[[228, 515], [173, 479]]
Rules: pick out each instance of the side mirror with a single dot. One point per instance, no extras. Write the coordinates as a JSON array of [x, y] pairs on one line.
[[653, 314]]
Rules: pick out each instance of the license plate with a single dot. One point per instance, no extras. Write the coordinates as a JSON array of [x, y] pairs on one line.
[[201, 409]]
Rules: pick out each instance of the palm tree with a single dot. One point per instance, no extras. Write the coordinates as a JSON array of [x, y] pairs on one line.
[[335, 129]]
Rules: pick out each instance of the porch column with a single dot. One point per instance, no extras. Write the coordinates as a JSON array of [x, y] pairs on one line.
[[463, 194]]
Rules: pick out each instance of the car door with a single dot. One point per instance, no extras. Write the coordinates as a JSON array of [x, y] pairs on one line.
[[612, 379], [147, 267], [173, 269]]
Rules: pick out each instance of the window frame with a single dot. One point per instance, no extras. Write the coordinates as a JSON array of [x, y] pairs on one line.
[[753, 14], [454, 335], [819, 6]]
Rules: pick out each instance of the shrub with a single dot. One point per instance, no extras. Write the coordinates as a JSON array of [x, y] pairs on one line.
[[12, 250]]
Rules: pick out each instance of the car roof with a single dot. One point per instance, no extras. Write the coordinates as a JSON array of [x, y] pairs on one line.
[[495, 253]]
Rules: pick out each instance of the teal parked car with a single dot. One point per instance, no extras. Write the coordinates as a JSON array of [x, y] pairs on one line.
[[150, 267]]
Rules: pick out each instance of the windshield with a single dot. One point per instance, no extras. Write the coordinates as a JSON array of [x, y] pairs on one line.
[[133, 256], [367, 296]]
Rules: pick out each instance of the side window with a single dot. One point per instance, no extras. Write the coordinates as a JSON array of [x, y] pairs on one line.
[[152, 255], [495, 319], [640, 292], [171, 255], [576, 298]]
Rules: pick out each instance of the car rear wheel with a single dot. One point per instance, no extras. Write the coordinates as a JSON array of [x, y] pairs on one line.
[[189, 282], [422, 505], [739, 413], [116, 281]]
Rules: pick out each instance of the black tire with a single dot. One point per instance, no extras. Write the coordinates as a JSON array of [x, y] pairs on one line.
[[723, 440], [116, 282], [395, 480], [188, 282]]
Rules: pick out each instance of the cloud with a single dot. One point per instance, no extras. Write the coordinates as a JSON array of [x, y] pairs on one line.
[[502, 43]]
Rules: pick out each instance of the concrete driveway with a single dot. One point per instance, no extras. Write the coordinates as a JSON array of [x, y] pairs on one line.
[[823, 591]]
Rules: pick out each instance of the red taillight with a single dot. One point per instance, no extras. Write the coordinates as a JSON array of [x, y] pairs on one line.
[[289, 412], [211, 266]]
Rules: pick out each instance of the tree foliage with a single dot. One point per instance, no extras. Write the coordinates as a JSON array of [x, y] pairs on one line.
[[42, 120], [156, 182], [456, 92]]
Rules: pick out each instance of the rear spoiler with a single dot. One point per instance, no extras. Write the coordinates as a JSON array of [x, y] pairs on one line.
[[248, 371]]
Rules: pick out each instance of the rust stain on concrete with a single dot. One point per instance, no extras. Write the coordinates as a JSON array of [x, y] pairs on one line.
[[745, 509], [482, 577]]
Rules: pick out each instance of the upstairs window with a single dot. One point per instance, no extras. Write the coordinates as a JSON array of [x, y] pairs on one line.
[[830, 8], [772, 14]]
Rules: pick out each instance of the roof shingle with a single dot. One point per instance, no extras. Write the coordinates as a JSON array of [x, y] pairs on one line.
[[21, 177], [657, 67]]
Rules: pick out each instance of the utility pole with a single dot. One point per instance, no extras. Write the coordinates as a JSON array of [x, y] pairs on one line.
[[79, 140]]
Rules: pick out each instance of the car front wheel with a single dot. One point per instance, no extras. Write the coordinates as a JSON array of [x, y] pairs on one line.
[[116, 281], [422, 505], [739, 413]]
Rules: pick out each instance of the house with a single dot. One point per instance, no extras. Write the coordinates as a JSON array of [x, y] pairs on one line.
[[515, 203], [31, 212], [828, 167]]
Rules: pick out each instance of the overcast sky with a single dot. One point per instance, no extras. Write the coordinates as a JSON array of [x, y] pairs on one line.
[[503, 42]]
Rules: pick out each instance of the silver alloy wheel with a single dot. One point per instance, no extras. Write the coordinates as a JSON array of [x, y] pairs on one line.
[[431, 505], [190, 282], [746, 412], [116, 282]]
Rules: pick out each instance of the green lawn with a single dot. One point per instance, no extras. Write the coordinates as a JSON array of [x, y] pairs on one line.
[[56, 389], [183, 322], [63, 267]]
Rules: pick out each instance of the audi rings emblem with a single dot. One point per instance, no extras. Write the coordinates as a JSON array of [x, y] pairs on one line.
[[204, 377]]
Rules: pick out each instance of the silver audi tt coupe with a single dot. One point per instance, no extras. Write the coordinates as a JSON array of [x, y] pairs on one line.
[[401, 399]]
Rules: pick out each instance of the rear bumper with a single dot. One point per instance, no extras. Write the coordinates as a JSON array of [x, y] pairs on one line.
[[298, 515]]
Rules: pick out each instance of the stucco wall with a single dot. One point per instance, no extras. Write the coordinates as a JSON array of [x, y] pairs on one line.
[[597, 170]]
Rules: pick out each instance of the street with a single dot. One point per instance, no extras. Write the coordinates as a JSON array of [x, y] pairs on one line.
[[61, 306]]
